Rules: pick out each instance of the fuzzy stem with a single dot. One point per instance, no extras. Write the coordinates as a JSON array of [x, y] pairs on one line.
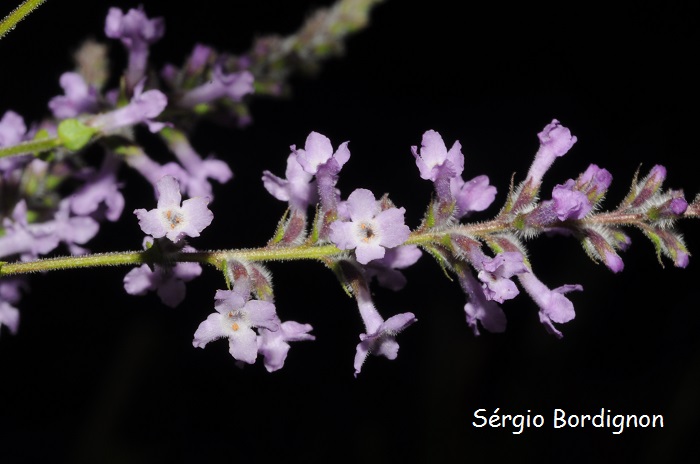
[[17, 15], [32, 146]]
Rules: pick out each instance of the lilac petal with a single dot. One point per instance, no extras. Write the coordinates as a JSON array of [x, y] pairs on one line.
[[393, 231], [366, 252], [197, 214], [342, 234], [361, 353], [274, 351], [151, 223], [398, 323], [342, 154], [361, 205], [9, 316], [168, 189], [317, 150], [261, 314], [243, 345], [171, 291], [433, 154], [473, 195], [12, 129], [209, 330], [138, 280], [478, 308], [388, 348], [187, 271], [277, 186], [456, 158]]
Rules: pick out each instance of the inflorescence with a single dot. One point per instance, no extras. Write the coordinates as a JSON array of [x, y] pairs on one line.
[[361, 237]]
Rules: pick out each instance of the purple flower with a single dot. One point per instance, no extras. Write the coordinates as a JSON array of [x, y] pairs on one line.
[[274, 346], [554, 306], [167, 281], [12, 131], [235, 319], [318, 151], [144, 106], [386, 268], [434, 161], [234, 86], [569, 202], [100, 187], [495, 273], [480, 308], [473, 195], [298, 188], [79, 97], [370, 231], [437, 164], [9, 296], [137, 33], [71, 230], [595, 182], [199, 170], [555, 141], [23, 238], [171, 219]]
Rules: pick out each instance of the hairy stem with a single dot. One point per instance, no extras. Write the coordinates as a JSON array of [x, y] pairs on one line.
[[17, 15]]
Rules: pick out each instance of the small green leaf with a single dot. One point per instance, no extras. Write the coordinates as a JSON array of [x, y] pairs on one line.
[[74, 134]]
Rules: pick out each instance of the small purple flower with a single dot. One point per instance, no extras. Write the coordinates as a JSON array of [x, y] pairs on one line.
[[569, 202], [12, 131], [481, 309], [437, 164], [495, 273], [25, 239], [434, 161], [71, 230], [595, 182], [9, 296], [274, 346], [473, 195], [100, 187], [554, 306], [555, 141], [199, 170], [172, 220], [79, 97], [298, 188], [386, 270], [235, 319], [167, 281], [144, 106], [137, 32], [318, 151], [234, 86], [370, 231]]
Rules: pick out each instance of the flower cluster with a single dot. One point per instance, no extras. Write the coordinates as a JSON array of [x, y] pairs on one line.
[[55, 197]]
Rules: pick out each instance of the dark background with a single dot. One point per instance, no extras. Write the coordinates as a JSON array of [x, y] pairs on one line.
[[96, 375]]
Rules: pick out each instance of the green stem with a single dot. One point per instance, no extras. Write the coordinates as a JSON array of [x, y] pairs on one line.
[[17, 15], [32, 146], [130, 258]]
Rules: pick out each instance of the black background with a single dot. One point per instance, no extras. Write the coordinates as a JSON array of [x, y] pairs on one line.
[[96, 375]]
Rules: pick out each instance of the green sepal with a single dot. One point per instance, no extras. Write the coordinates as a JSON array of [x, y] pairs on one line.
[[279, 232], [228, 277], [74, 134], [440, 258], [340, 275]]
